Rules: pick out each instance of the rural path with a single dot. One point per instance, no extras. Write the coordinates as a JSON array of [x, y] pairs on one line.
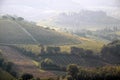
[[29, 34], [23, 64]]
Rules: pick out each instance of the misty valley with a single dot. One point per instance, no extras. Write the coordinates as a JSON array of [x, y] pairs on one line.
[[31, 51]]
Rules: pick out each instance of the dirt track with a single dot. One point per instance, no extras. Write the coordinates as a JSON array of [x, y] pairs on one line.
[[22, 63]]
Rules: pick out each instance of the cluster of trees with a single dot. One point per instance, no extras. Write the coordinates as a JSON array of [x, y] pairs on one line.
[[7, 66], [43, 51], [111, 52], [81, 51], [112, 48], [48, 64], [101, 73], [26, 76], [50, 50], [74, 50], [29, 76], [12, 17], [53, 50]]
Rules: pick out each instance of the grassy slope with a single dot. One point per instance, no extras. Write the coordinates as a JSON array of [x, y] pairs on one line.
[[10, 32], [5, 75], [47, 36]]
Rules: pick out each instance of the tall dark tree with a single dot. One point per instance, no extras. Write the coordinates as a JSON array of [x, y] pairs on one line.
[[20, 19], [73, 71], [42, 50], [27, 76]]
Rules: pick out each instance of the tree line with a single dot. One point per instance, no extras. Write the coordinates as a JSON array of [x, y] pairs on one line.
[[99, 73]]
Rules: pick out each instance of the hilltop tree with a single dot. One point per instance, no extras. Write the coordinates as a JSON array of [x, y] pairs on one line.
[[12, 18], [20, 18], [4, 17]]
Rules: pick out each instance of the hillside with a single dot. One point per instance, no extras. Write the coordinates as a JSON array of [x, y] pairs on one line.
[[48, 36], [11, 33], [23, 32], [23, 64]]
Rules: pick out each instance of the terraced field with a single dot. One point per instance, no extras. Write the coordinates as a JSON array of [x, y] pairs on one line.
[[23, 64]]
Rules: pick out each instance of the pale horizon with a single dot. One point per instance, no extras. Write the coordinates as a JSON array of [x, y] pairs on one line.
[[36, 10]]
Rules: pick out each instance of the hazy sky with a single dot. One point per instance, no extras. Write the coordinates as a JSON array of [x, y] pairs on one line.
[[41, 9]]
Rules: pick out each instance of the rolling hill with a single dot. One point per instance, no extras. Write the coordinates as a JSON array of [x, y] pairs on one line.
[[23, 32]]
